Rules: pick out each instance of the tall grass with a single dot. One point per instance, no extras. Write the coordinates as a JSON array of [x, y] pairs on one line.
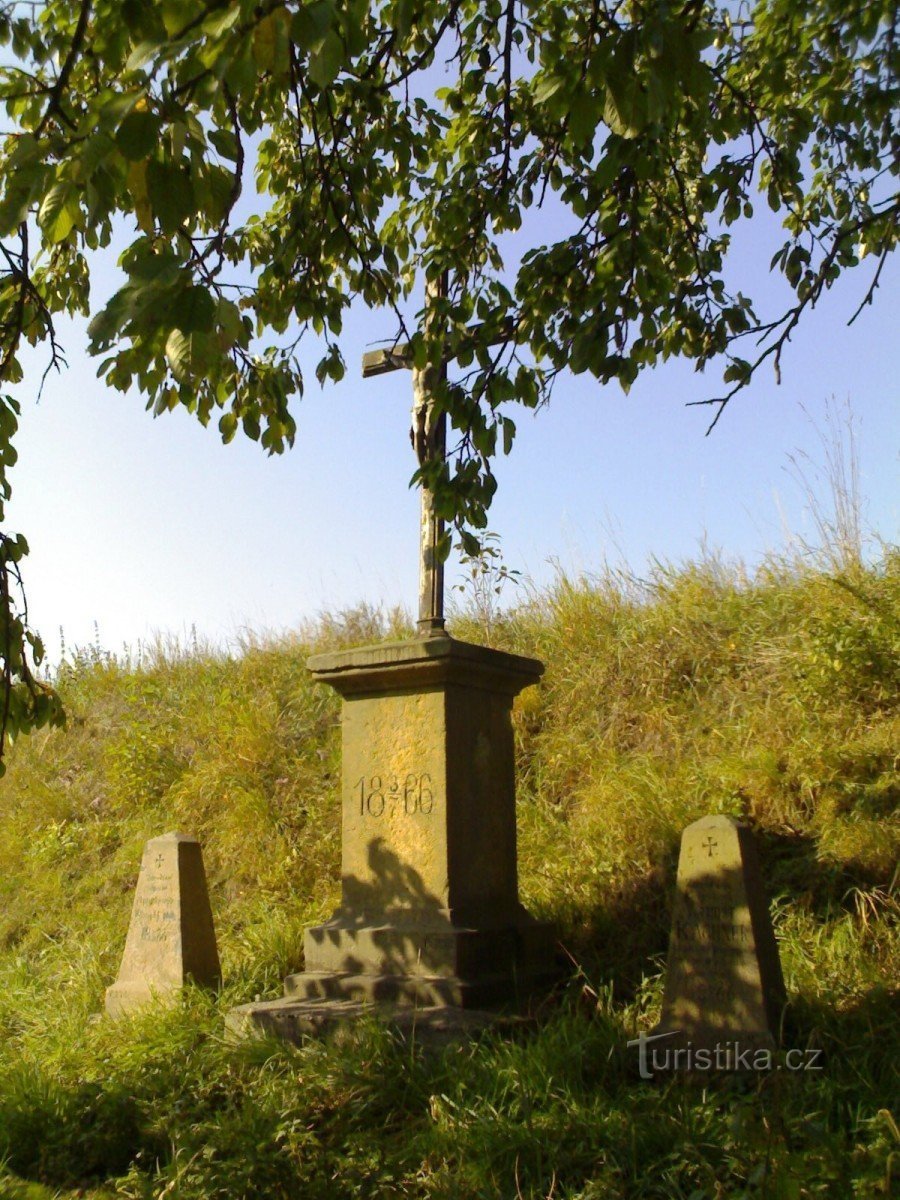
[[695, 689]]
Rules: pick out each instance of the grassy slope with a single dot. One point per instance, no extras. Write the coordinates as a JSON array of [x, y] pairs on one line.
[[696, 691]]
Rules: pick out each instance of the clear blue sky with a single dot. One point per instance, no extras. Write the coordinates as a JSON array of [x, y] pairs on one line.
[[145, 525]]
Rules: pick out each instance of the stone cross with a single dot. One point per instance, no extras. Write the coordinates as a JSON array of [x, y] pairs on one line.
[[429, 436], [430, 916]]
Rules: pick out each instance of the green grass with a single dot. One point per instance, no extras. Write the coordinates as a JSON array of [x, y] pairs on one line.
[[696, 690]]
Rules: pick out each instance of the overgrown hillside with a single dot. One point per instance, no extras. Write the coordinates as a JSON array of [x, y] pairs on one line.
[[697, 690]]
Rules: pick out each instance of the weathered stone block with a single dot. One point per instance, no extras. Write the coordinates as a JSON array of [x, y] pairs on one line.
[[723, 976], [171, 938]]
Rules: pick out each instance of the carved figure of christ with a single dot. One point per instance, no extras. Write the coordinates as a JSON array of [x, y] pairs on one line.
[[429, 438]]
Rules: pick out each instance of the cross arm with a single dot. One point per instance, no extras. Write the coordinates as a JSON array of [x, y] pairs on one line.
[[379, 362], [398, 356]]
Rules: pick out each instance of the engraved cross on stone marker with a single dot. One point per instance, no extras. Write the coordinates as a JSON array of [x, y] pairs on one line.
[[710, 845], [429, 437]]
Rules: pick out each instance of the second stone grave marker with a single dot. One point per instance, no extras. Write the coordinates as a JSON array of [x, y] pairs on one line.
[[723, 978]]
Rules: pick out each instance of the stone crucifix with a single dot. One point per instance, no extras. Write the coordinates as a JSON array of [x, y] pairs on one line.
[[430, 918], [429, 437]]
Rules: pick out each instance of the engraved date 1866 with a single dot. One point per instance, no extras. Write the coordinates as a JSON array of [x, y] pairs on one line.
[[383, 795]]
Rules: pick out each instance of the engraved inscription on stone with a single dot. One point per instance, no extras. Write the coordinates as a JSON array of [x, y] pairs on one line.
[[171, 937], [723, 977], [381, 794]]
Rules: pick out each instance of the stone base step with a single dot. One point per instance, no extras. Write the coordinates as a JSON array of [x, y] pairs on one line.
[[418, 991], [292, 1020], [344, 947]]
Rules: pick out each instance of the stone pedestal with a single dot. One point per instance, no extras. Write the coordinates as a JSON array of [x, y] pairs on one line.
[[171, 938], [724, 986], [429, 912]]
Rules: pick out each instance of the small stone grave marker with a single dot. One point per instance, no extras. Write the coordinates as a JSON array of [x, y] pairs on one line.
[[171, 938], [723, 976]]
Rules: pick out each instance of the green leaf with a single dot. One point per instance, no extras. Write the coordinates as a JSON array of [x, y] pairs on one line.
[[589, 346], [402, 16], [326, 60], [171, 194], [355, 26], [141, 54], [547, 86], [660, 87], [221, 21], [584, 116], [213, 190], [232, 330], [312, 22], [188, 354], [23, 179], [193, 310], [470, 543], [14, 207], [136, 181], [138, 135], [625, 110], [228, 426], [59, 211], [226, 143], [270, 42], [739, 371], [175, 14], [330, 367]]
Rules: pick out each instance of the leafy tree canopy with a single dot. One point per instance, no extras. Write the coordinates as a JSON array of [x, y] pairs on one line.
[[657, 125]]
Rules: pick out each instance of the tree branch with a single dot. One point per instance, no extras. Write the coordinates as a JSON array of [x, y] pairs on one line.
[[56, 93]]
